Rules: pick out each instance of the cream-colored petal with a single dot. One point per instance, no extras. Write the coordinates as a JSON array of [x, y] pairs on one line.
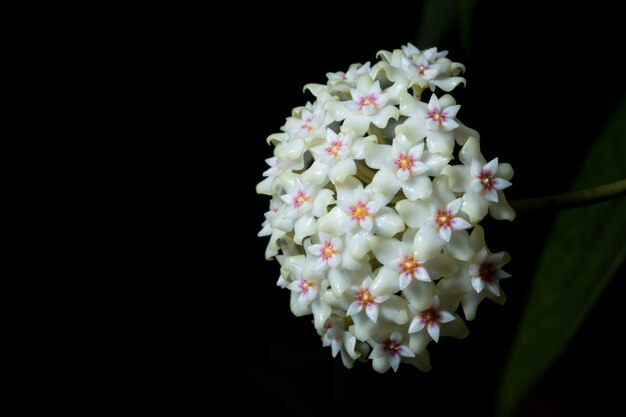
[[341, 170], [395, 309], [413, 213], [378, 156], [387, 223], [386, 282], [322, 200], [334, 223], [427, 242], [385, 183], [386, 250], [316, 174]]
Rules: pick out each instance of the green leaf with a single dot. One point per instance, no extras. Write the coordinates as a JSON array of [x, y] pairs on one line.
[[466, 12], [436, 18], [585, 248]]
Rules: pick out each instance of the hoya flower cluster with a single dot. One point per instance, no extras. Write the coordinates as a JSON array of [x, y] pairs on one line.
[[373, 216]]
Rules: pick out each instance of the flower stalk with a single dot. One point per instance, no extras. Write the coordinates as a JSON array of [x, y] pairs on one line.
[[573, 199]]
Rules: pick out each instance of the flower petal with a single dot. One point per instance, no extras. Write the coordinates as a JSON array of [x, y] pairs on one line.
[[378, 156], [388, 223], [386, 282], [354, 308], [341, 170], [339, 281], [417, 187], [413, 213], [372, 312], [433, 331]]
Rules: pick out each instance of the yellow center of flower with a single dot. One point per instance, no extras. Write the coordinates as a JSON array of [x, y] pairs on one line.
[[409, 265], [404, 161], [443, 218], [359, 211], [300, 199], [365, 297], [327, 251], [334, 148]]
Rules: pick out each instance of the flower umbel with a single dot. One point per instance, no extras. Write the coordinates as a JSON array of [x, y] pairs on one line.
[[376, 233]]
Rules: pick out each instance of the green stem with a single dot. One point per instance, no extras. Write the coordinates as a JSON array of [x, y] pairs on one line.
[[574, 199]]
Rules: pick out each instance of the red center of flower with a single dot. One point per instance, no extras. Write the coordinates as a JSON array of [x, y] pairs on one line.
[[487, 271], [391, 346], [430, 315], [486, 179]]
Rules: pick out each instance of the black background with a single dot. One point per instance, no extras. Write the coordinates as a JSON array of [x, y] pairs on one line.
[[541, 84]]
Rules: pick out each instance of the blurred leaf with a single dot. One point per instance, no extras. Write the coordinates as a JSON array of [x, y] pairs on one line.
[[585, 248], [466, 12], [437, 17]]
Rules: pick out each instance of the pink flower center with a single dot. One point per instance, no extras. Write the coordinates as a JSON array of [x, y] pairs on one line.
[[364, 297], [334, 148], [327, 251], [307, 124], [438, 116], [404, 161], [430, 315], [391, 346], [421, 68], [408, 265], [300, 199], [305, 285], [359, 211], [486, 180], [443, 219], [370, 100]]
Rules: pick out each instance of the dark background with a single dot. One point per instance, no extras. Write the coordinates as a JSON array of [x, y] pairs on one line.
[[541, 84]]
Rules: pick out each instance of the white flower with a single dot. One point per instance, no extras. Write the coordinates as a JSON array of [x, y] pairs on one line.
[[369, 221], [486, 272], [364, 300], [368, 104], [481, 183], [342, 82], [478, 278], [307, 122], [277, 167], [329, 255], [303, 204], [340, 340], [445, 219], [359, 214], [307, 290], [335, 158], [436, 121], [389, 352], [403, 165], [436, 320], [441, 118], [420, 69], [430, 319]]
